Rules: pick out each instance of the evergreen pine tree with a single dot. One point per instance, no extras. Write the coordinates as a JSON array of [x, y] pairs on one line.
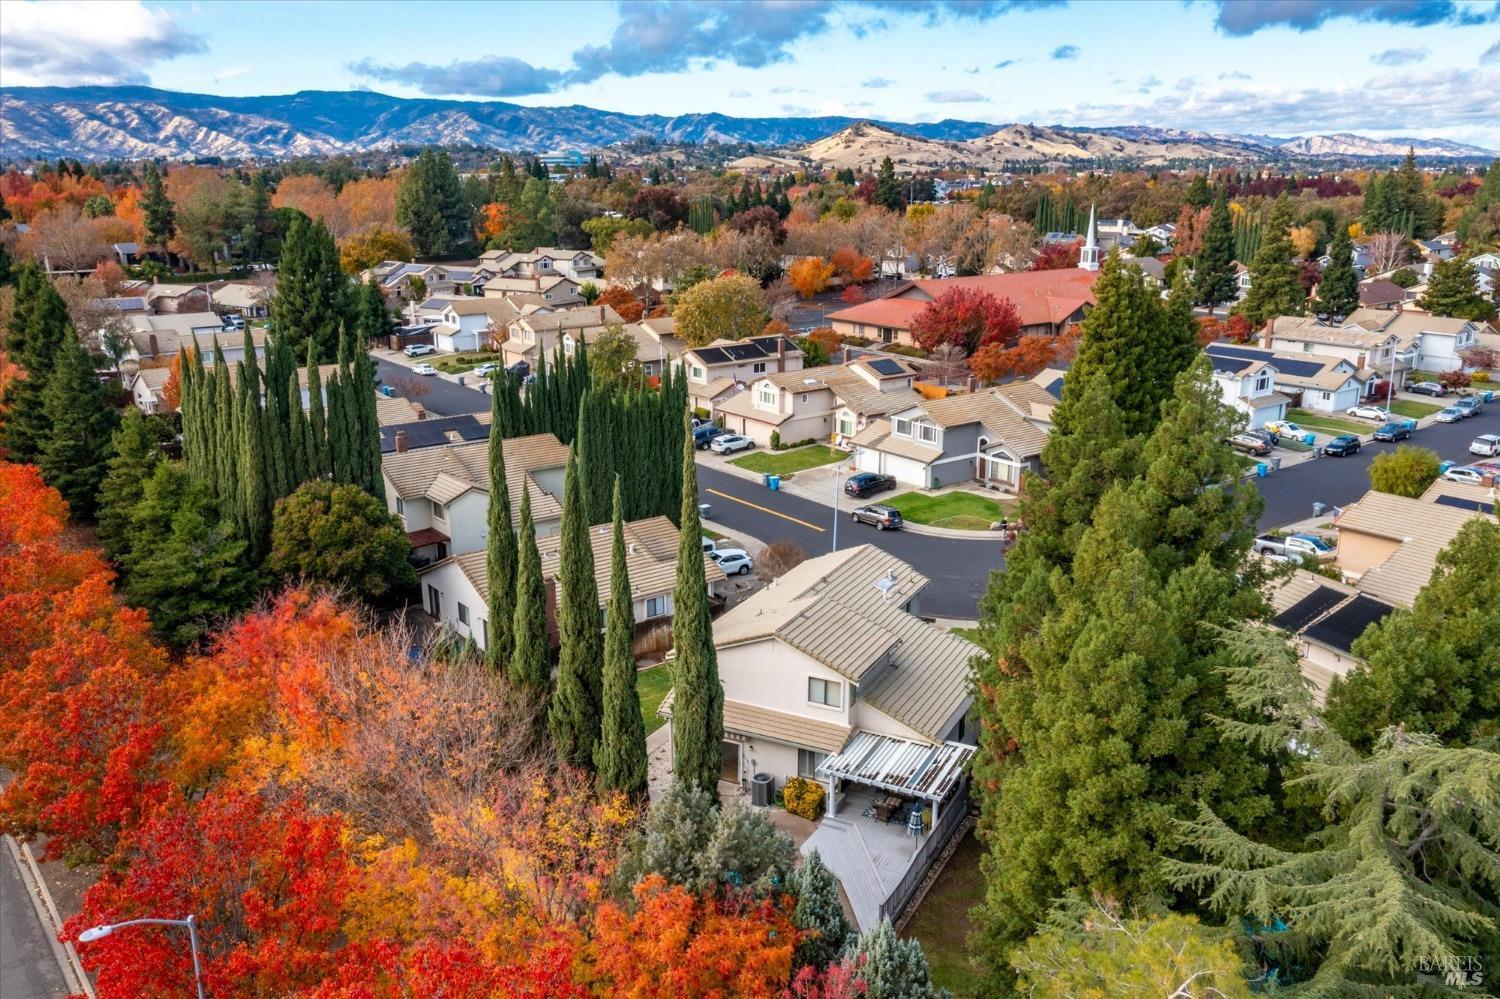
[[1177, 346], [596, 454], [35, 337], [160, 218], [375, 320], [501, 557], [819, 915], [892, 967], [76, 450], [136, 453], [1213, 269], [887, 188], [312, 300], [698, 705], [1338, 291], [430, 205], [621, 758], [1382, 206], [573, 717], [528, 667], [1453, 290], [1275, 287], [1198, 194]]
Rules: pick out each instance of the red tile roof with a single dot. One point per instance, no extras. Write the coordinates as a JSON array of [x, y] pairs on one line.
[[426, 536], [1041, 297]]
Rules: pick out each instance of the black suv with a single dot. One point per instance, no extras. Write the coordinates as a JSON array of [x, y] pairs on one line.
[[704, 435], [1342, 445], [885, 518], [865, 484]]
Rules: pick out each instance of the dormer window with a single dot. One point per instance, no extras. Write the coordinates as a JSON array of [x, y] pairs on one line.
[[900, 427], [767, 396], [1263, 381]]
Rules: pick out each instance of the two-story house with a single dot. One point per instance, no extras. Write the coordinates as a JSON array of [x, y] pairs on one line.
[[717, 370], [1248, 384], [1439, 342], [551, 289], [534, 333], [466, 323], [830, 675], [545, 261], [441, 494], [1313, 381], [820, 403], [1376, 354], [991, 437], [455, 590]]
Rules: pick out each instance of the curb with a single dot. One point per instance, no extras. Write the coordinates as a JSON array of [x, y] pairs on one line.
[[76, 979]]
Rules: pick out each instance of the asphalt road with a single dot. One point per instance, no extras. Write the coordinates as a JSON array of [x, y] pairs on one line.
[[959, 568], [443, 398], [28, 969], [1290, 494]]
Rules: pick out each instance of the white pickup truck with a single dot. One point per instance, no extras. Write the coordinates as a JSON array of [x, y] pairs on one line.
[[1295, 547]]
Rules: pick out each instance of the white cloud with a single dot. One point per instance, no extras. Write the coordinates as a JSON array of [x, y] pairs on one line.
[[58, 43], [1400, 57], [957, 97]]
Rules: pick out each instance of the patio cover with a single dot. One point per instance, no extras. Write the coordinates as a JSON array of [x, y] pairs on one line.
[[901, 766]]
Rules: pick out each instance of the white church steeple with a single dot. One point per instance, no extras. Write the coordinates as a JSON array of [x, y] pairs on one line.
[[1088, 257]]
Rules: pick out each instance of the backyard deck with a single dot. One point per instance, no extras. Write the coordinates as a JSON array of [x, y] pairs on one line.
[[872, 859]]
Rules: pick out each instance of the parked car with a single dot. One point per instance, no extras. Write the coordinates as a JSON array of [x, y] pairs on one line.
[[710, 545], [487, 369], [704, 435], [885, 518], [1434, 389], [1470, 406], [1285, 428], [1249, 443], [698, 421], [1393, 432], [1342, 445], [520, 370], [730, 443], [424, 368], [1468, 474], [419, 350], [1450, 414], [1295, 547], [234, 321], [734, 561], [1366, 412], [1487, 445], [864, 484], [1269, 436]]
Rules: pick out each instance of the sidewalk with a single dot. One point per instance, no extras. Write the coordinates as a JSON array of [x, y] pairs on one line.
[[822, 485]]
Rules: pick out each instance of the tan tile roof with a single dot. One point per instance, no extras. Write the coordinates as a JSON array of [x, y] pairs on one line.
[[878, 437], [996, 413], [743, 404], [867, 400], [1424, 529], [238, 295], [414, 473], [713, 389], [394, 410], [925, 688], [496, 308], [650, 557], [1300, 585]]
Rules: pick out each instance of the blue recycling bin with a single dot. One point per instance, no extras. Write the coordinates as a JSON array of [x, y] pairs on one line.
[[774, 481], [387, 391], [1309, 438], [1443, 466], [1489, 395], [1262, 469]]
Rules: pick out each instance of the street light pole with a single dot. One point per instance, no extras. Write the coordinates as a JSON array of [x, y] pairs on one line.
[[191, 923], [838, 493]]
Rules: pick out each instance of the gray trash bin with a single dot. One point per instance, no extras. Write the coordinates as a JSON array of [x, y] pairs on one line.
[[1318, 509], [705, 511], [761, 788], [1275, 464]]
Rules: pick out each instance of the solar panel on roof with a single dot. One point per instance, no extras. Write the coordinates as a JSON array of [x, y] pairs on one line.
[[886, 366], [1054, 388], [1308, 609], [1346, 624], [1460, 503]]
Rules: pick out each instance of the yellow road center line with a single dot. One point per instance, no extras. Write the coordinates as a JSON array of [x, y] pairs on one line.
[[762, 509]]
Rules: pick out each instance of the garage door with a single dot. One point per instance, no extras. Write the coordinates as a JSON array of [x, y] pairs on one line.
[[906, 470]]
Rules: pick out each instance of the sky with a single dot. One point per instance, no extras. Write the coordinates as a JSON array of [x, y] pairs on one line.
[[1428, 68]]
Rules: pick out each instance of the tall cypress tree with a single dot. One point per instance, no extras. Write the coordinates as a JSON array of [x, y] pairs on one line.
[[367, 421], [254, 507], [1275, 288], [1213, 269], [596, 454], [76, 450], [318, 464], [1338, 291], [35, 337], [528, 667], [500, 560], [574, 714], [621, 759], [698, 706]]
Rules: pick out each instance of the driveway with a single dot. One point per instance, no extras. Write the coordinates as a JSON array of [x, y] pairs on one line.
[[1290, 493], [959, 568]]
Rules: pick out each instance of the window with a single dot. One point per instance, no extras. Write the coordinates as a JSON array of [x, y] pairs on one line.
[[846, 425], [901, 428], [1307, 348], [766, 396], [1263, 381], [759, 367], [1327, 396], [829, 693], [434, 602], [484, 632], [656, 606], [440, 511], [400, 507], [696, 372], [927, 433], [463, 613], [807, 763]]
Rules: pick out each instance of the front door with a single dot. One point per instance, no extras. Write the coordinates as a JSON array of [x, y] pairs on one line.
[[434, 602], [729, 762]]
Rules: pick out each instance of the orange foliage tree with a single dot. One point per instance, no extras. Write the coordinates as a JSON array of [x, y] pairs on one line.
[[623, 302], [852, 265], [1030, 355], [810, 275]]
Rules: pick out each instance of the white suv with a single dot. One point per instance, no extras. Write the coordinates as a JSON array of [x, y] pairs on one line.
[[1485, 444], [419, 350]]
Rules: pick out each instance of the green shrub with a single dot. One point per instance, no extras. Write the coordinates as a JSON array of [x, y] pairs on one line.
[[776, 440]]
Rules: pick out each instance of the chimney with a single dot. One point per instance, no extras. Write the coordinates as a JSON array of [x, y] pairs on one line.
[[401, 442], [601, 313], [421, 410], [152, 341], [780, 354]]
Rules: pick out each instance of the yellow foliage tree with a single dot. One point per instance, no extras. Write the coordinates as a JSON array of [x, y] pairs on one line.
[[810, 275]]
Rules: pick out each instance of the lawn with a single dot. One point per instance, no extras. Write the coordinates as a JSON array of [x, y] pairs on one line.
[[942, 924], [455, 364], [958, 510], [1414, 410], [1328, 424], [784, 463], [652, 684]]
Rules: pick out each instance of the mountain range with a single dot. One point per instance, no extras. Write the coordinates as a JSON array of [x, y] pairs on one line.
[[94, 123]]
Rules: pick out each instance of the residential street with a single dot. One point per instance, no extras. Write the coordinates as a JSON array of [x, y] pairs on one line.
[[28, 968], [443, 398], [1290, 494]]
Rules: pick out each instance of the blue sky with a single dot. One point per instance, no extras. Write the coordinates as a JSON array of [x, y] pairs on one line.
[[1378, 67]]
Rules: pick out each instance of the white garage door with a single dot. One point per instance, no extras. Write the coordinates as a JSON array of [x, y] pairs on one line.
[[906, 470]]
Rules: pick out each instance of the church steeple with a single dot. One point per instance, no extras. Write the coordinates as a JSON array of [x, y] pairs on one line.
[[1088, 257]]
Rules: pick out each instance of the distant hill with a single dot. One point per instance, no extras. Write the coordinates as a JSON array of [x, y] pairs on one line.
[[92, 123]]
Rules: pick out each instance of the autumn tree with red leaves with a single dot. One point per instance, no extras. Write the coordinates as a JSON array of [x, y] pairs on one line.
[[967, 319], [851, 265], [623, 302], [1030, 355], [1057, 256]]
